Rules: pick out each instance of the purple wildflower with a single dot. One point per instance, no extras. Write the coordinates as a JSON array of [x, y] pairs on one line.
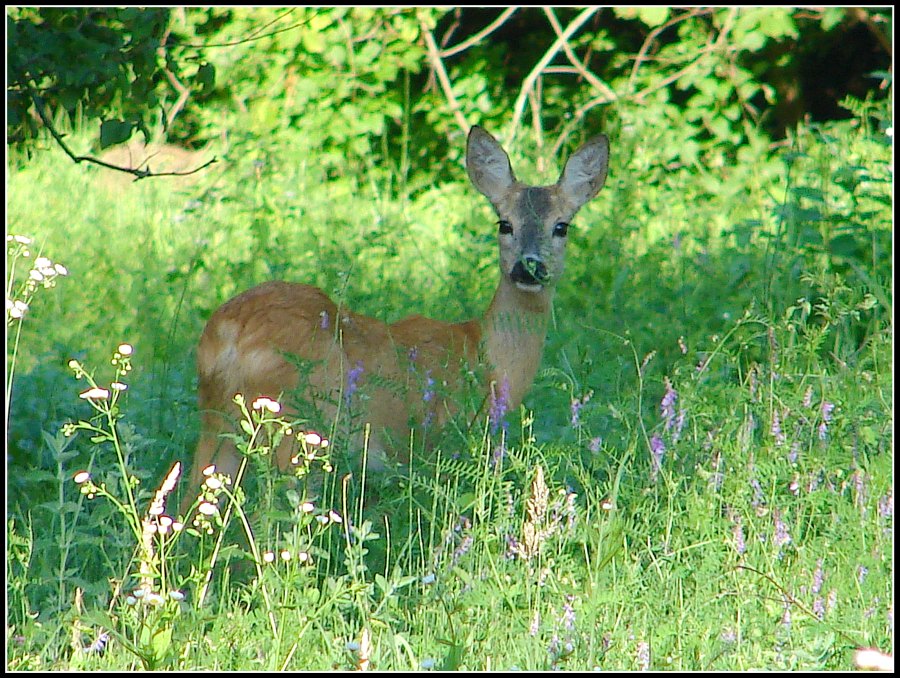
[[861, 573], [831, 601], [759, 497], [324, 321], [594, 445], [814, 480], [643, 656], [428, 395], [886, 505], [667, 404], [716, 477], [807, 397], [781, 537], [794, 454], [461, 550], [827, 409], [818, 577], [499, 406], [412, 355], [773, 345], [679, 425], [777, 433], [499, 451], [553, 649], [786, 617], [353, 381], [576, 407], [568, 618], [462, 525], [513, 547], [571, 513], [657, 450], [819, 608], [738, 531], [859, 485], [99, 644], [577, 404]]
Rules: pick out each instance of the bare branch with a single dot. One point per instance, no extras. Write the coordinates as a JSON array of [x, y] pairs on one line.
[[651, 36], [549, 55], [475, 39], [580, 68], [183, 92], [711, 46], [138, 173], [254, 37], [434, 56]]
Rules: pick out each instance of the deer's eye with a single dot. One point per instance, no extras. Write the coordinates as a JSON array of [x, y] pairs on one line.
[[561, 229], [505, 227]]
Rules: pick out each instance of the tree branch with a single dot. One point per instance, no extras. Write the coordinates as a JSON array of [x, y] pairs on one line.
[[594, 81], [549, 55], [138, 173], [475, 39], [434, 56]]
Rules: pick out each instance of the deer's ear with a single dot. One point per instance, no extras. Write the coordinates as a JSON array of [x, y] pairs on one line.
[[488, 165], [585, 172]]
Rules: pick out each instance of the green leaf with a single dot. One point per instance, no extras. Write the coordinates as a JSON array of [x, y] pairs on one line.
[[650, 16], [206, 77], [653, 16], [844, 246], [777, 23], [114, 132], [832, 16], [161, 641]]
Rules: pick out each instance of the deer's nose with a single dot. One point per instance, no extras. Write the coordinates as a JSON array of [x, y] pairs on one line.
[[530, 271]]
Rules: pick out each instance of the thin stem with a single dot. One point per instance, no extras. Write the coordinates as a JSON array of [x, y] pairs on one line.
[[434, 56], [580, 68], [549, 55], [138, 173], [475, 39]]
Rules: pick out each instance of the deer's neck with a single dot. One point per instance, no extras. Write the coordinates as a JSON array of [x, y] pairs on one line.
[[513, 332]]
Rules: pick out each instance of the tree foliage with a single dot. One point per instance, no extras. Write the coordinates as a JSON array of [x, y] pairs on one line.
[[349, 78], [100, 62]]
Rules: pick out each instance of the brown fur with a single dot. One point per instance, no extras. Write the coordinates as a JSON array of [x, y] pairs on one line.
[[243, 345]]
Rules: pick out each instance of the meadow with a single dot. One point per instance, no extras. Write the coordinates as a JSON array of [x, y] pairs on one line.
[[700, 478]]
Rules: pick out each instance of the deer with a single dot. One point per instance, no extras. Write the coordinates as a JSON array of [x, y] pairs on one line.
[[245, 345]]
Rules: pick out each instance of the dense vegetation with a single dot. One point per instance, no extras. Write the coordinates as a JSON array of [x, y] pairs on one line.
[[701, 477]]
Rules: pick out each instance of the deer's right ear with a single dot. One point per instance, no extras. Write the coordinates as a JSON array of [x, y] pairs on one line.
[[488, 165]]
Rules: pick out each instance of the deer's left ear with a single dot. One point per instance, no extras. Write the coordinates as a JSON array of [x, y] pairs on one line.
[[585, 172]]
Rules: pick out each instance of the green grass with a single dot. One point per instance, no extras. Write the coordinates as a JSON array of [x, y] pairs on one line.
[[758, 293]]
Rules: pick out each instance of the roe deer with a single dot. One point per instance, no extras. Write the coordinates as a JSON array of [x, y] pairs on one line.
[[243, 347]]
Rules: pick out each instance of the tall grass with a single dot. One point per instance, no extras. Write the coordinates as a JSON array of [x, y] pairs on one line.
[[701, 477]]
